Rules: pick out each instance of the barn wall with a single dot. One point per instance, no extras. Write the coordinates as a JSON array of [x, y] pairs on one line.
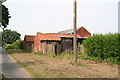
[[36, 43], [58, 48], [67, 45], [83, 32], [28, 45], [51, 47]]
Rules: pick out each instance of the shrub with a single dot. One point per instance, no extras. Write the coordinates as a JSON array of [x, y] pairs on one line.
[[18, 44], [102, 46], [9, 47], [10, 52], [111, 60]]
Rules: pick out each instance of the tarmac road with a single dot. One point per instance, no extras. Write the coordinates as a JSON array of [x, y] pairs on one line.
[[10, 68]]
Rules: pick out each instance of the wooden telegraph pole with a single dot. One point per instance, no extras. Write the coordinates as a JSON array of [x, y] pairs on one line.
[[74, 27]]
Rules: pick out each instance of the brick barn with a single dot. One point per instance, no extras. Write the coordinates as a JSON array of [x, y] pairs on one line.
[[55, 42], [81, 31], [28, 42], [52, 42]]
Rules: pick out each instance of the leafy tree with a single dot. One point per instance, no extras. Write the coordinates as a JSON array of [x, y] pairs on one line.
[[4, 15], [0, 39], [9, 36], [2, 1]]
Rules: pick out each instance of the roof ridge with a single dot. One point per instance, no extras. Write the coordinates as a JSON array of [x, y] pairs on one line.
[[29, 35]]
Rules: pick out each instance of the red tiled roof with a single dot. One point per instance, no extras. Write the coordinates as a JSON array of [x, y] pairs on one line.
[[29, 38], [54, 36]]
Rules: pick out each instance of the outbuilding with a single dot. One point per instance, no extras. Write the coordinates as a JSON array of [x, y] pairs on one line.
[[28, 43]]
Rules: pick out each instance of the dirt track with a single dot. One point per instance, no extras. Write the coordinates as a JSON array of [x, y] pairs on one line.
[[41, 66]]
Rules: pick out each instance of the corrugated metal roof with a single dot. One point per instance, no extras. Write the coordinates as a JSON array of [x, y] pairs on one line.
[[69, 31]]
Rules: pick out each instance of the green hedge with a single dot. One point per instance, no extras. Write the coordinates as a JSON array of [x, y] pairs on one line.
[[103, 46], [18, 44]]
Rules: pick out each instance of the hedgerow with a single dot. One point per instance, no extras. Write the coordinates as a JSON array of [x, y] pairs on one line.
[[103, 46], [18, 44]]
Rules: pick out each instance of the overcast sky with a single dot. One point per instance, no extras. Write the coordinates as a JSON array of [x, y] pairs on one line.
[[51, 16]]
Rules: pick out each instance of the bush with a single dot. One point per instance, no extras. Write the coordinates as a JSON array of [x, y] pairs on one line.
[[102, 46], [18, 44], [9, 47]]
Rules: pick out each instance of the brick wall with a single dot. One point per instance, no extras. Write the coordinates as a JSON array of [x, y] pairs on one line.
[[83, 32]]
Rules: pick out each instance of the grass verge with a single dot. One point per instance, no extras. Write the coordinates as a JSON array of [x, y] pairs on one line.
[[69, 56], [78, 64], [83, 56], [12, 51]]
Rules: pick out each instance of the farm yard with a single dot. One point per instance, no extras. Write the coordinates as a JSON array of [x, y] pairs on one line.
[[94, 60], [42, 66], [89, 49]]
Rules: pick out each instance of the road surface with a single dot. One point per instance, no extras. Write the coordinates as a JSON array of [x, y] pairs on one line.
[[10, 68]]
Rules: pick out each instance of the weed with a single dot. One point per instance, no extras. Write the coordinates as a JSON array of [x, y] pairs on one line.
[[65, 56], [78, 64], [11, 51], [53, 55], [39, 53], [23, 64]]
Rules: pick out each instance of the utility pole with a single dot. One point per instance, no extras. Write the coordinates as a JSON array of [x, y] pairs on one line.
[[74, 28]]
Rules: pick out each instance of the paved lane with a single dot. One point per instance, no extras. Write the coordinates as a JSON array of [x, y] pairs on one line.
[[9, 66]]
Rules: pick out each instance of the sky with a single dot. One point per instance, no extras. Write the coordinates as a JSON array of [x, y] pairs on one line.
[[51, 16]]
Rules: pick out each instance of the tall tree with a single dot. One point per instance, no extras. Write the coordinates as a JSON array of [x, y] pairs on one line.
[[9, 36], [4, 15], [0, 39]]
